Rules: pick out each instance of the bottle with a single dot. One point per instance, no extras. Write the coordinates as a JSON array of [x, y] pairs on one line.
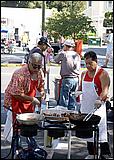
[[43, 105], [77, 107], [37, 109], [78, 104]]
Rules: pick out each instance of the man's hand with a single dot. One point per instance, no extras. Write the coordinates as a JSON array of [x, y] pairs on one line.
[[78, 93], [35, 101], [98, 103], [43, 94]]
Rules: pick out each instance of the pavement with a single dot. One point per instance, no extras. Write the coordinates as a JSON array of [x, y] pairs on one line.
[[17, 58]]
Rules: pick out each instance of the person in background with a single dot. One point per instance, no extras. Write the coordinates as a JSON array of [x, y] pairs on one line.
[[109, 50], [70, 70], [29, 46], [3, 45], [42, 45], [94, 85], [49, 54], [61, 42], [24, 40]]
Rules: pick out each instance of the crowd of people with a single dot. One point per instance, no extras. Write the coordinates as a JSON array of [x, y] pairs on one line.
[[94, 84], [8, 46]]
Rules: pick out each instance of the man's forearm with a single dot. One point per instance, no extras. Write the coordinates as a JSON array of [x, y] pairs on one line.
[[23, 97]]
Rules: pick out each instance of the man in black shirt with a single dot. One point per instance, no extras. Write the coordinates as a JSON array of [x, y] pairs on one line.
[[43, 44]]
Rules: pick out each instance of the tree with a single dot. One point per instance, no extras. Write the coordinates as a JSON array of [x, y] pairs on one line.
[[22, 4], [60, 5], [69, 23], [108, 20]]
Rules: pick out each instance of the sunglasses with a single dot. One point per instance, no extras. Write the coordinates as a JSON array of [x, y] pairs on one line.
[[36, 66]]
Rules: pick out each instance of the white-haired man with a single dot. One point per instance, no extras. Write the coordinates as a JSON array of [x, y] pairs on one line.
[[21, 90]]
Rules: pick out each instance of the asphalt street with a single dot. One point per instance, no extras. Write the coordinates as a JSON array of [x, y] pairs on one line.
[[78, 146]]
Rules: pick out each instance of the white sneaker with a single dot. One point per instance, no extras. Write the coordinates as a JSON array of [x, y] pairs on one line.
[[89, 157]]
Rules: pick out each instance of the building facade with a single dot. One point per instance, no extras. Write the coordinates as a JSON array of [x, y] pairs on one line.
[[96, 11], [22, 21]]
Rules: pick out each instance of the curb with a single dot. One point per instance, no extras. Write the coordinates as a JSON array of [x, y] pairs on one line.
[[12, 65], [18, 65]]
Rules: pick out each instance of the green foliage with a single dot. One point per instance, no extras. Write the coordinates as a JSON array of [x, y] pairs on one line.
[[69, 24], [61, 5], [21, 4], [82, 36], [108, 20]]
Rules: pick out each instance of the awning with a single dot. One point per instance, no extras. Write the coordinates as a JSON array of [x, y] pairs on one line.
[[4, 31]]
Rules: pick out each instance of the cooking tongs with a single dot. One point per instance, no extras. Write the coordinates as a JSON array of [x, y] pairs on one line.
[[89, 115]]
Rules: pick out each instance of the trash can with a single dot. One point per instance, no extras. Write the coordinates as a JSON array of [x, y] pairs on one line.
[[56, 47], [57, 88], [78, 47], [94, 41]]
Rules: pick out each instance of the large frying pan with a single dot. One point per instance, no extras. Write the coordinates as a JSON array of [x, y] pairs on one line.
[[77, 119], [28, 123], [84, 129], [29, 118]]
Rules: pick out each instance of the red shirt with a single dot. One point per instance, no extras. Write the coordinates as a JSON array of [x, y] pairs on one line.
[[20, 84], [97, 82]]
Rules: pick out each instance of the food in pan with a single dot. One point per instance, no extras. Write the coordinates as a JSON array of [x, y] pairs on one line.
[[77, 116], [57, 114]]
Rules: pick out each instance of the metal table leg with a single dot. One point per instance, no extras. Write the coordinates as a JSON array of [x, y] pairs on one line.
[[96, 139], [14, 144], [45, 139], [69, 143]]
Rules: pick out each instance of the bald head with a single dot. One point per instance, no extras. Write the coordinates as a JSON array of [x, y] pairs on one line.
[[35, 62], [35, 57]]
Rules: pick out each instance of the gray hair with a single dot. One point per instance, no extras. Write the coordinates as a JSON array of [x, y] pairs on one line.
[[37, 56]]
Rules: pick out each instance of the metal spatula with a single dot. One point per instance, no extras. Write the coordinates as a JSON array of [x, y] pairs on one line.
[[89, 115]]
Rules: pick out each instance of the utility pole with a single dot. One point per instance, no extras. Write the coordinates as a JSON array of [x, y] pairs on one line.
[[43, 17]]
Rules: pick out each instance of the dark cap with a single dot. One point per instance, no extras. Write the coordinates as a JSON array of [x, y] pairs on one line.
[[44, 40]]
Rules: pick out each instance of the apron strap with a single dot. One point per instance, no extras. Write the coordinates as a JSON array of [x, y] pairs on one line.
[[96, 72], [84, 75]]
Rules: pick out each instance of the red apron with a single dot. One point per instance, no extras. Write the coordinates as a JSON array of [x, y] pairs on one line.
[[19, 106]]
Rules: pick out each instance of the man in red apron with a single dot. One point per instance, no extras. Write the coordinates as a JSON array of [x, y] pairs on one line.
[[21, 90], [94, 84]]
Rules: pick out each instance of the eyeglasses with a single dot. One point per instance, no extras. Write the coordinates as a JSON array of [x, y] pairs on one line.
[[36, 66]]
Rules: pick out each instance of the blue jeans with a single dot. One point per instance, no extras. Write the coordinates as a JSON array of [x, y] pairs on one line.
[[67, 96]]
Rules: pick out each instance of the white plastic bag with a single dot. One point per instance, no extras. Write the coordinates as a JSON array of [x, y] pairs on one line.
[[55, 143], [8, 129]]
